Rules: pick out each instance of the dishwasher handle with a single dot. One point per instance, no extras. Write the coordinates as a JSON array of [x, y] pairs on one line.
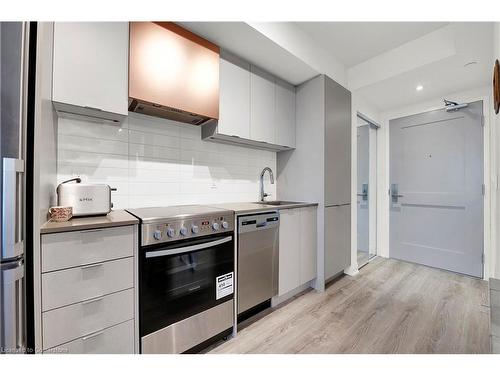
[[253, 223]]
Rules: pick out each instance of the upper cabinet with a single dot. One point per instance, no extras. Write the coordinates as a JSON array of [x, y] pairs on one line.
[[262, 105], [255, 109], [284, 115], [234, 97], [90, 69], [337, 143]]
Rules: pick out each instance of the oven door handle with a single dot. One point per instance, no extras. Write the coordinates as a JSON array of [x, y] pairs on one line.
[[187, 249]]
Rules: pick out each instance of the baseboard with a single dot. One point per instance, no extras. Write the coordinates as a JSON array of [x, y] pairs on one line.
[[278, 300], [351, 270]]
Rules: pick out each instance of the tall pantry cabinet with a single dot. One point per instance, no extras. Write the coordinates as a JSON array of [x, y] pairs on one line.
[[319, 169]]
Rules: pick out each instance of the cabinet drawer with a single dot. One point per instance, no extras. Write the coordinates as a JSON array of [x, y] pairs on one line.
[[73, 285], [71, 249], [118, 339], [84, 318]]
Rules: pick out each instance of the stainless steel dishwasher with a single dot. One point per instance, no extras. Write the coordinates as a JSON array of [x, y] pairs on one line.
[[257, 259]]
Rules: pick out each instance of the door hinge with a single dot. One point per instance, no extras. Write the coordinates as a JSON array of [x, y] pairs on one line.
[[483, 187], [482, 257], [482, 120]]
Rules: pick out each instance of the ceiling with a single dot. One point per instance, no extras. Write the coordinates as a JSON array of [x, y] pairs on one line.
[[384, 61], [354, 42], [249, 44], [472, 42]]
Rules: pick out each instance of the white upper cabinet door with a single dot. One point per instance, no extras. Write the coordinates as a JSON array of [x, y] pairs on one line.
[[262, 103], [289, 250], [90, 67], [234, 97], [285, 114], [308, 244]]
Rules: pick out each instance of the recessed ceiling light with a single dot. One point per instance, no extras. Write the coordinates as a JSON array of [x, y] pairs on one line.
[[419, 88]]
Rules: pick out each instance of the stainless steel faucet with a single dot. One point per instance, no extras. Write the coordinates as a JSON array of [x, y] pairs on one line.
[[262, 194]]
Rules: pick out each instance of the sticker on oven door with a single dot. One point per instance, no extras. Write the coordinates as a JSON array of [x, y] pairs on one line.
[[224, 285]]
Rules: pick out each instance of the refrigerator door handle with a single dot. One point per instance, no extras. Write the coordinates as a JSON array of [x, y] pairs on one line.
[[20, 308], [12, 208], [12, 305], [337, 205]]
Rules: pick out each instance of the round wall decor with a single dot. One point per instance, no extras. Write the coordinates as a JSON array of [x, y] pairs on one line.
[[496, 86]]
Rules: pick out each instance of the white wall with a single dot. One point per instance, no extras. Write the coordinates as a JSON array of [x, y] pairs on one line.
[[157, 162], [490, 175], [495, 269]]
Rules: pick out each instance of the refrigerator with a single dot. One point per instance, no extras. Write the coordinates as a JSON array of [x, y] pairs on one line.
[[338, 127], [14, 55]]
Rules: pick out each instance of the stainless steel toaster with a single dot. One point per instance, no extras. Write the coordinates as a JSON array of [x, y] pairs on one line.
[[86, 199]]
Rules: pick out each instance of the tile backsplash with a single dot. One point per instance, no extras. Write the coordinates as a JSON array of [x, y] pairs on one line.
[[157, 162]]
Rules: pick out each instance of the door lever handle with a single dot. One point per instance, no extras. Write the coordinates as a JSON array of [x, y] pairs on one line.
[[394, 192]]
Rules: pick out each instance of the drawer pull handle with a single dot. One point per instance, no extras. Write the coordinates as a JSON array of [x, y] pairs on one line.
[[92, 335], [91, 266], [92, 108], [91, 231], [97, 299]]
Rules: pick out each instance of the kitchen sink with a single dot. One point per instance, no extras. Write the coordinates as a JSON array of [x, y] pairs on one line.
[[277, 203]]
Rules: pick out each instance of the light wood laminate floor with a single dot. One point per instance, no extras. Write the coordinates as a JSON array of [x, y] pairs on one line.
[[389, 307]]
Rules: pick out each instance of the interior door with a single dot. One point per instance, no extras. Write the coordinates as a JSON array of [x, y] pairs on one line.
[[436, 202]]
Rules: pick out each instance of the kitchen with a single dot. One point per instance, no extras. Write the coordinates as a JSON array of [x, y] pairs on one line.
[[143, 188], [167, 189]]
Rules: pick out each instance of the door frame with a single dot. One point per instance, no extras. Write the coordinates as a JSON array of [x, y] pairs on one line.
[[376, 126], [489, 171]]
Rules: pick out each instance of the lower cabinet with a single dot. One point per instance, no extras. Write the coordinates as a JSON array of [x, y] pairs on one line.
[[337, 239], [89, 301], [289, 251], [297, 248], [308, 243]]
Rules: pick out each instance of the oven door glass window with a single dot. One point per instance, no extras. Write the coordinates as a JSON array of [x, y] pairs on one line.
[[176, 284]]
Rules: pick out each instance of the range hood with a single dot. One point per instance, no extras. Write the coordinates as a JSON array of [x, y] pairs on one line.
[[173, 73]]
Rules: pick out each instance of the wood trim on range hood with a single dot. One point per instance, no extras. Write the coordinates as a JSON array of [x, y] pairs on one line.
[[173, 73]]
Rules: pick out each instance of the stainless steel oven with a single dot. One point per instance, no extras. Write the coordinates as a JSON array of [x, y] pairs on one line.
[[186, 278]]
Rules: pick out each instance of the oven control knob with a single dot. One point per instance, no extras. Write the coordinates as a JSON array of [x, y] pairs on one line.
[[157, 234], [215, 226], [170, 232], [225, 225], [195, 229], [183, 231]]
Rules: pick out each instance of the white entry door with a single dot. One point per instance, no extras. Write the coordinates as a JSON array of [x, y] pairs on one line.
[[436, 194]]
